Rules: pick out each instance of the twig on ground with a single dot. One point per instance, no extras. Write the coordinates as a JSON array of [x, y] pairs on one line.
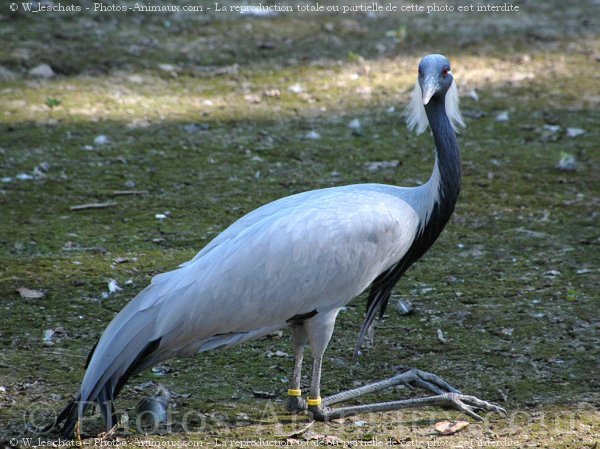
[[93, 206], [129, 192]]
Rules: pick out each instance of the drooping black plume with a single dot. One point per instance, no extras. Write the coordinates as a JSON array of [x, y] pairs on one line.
[[449, 166]]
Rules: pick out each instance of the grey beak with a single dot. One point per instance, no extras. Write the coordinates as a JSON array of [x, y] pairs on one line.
[[429, 90]]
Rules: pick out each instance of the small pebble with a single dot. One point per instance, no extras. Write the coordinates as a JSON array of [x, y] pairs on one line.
[[277, 354], [575, 132], [136, 79], [101, 140], [552, 128], [272, 93], [355, 124], [42, 71], [153, 410], [167, 67], [567, 162], [502, 116], [379, 165], [113, 287], [48, 334], [440, 336], [252, 98]]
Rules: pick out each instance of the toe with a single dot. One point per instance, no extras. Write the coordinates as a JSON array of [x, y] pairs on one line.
[[438, 381], [482, 405], [429, 386]]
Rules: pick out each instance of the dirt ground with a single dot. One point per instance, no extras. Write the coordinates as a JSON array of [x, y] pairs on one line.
[[178, 123]]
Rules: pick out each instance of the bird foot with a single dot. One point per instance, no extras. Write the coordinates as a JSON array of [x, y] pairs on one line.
[[464, 403], [468, 404], [445, 395], [296, 404]]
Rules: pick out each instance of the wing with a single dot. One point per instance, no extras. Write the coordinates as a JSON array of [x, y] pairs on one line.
[[290, 203], [316, 252]]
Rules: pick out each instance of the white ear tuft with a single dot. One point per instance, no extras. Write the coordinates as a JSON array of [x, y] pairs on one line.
[[452, 109], [416, 118]]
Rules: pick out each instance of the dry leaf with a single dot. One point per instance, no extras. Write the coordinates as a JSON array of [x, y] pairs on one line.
[[449, 428], [310, 435], [331, 440], [30, 294]]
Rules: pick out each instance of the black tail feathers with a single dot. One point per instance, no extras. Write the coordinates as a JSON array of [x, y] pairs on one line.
[[69, 417], [102, 394], [66, 421]]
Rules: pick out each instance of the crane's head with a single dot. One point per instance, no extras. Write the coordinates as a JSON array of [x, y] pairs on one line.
[[435, 77], [434, 83]]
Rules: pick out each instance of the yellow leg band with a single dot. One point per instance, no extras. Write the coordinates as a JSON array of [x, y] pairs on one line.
[[312, 402], [292, 392]]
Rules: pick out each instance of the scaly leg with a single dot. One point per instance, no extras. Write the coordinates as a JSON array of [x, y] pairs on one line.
[[319, 330], [295, 402]]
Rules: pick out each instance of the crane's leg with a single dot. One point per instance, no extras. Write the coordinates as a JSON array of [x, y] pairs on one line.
[[295, 402], [319, 330]]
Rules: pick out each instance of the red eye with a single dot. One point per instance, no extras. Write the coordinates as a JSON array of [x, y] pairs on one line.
[[445, 71]]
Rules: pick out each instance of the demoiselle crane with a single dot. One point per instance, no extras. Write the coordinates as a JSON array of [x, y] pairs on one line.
[[296, 262]]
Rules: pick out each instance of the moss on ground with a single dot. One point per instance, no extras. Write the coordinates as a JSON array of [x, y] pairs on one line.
[[512, 283]]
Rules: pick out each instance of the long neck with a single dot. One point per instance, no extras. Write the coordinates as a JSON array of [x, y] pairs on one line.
[[434, 202], [445, 180], [448, 154]]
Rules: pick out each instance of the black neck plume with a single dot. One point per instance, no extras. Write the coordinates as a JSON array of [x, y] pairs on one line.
[[448, 165], [447, 183]]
